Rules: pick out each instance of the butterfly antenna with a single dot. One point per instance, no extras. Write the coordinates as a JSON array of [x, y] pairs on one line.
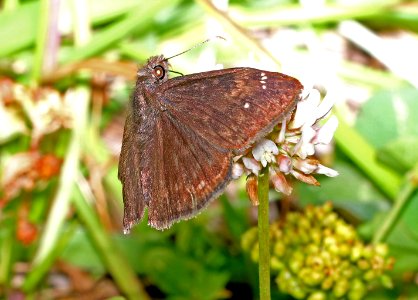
[[197, 45], [175, 72]]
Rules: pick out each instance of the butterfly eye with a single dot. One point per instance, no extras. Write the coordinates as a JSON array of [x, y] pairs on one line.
[[159, 72]]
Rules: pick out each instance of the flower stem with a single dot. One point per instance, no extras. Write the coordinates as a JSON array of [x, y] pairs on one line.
[[264, 234], [401, 202]]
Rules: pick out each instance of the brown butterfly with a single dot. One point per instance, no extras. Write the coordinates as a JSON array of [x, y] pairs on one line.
[[181, 134]]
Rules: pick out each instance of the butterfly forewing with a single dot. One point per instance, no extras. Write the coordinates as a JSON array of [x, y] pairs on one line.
[[231, 108]]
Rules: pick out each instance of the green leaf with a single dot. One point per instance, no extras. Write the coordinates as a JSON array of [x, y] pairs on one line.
[[235, 218], [19, 33], [80, 252], [388, 121], [389, 115], [404, 237], [400, 154], [103, 11], [179, 275], [137, 18], [194, 266], [16, 29]]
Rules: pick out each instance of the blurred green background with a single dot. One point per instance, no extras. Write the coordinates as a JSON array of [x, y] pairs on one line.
[[67, 69]]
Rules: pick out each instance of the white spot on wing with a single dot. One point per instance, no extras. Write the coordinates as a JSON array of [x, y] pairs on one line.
[[246, 105], [262, 81], [201, 185], [264, 87], [262, 74], [263, 77]]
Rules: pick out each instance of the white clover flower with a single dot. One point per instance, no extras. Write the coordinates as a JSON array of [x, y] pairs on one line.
[[282, 134], [279, 182], [326, 132], [307, 166], [304, 147], [289, 149], [305, 114], [308, 113], [237, 170], [252, 165], [326, 171], [46, 109], [285, 164], [264, 151]]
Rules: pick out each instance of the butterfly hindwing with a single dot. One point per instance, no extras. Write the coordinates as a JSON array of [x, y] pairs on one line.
[[181, 172], [129, 174]]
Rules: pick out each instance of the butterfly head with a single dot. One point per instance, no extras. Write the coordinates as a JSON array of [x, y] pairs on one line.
[[155, 71]]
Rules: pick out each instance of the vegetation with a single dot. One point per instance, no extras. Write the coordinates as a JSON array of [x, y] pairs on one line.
[[67, 69]]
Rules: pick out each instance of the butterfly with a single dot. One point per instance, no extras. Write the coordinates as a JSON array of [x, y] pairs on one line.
[[181, 135]]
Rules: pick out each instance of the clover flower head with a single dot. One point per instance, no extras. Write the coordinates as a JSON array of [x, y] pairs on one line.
[[289, 149]]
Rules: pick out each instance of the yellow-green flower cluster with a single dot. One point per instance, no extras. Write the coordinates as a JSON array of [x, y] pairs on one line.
[[316, 255]]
